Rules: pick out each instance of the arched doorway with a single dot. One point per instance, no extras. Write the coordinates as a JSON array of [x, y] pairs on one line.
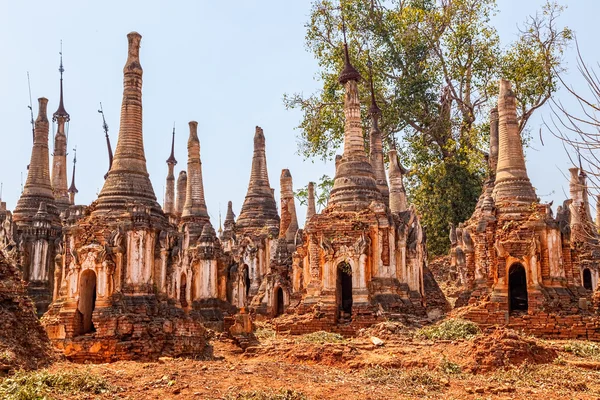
[[517, 288], [344, 290], [247, 280], [279, 304], [587, 279], [87, 300], [183, 291]]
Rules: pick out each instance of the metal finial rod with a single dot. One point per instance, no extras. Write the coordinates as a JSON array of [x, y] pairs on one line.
[[105, 127], [30, 106], [61, 69]]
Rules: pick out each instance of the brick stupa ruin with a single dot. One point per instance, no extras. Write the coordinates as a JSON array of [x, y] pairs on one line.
[[520, 265], [125, 278]]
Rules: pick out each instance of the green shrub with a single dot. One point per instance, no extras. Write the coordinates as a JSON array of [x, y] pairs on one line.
[[281, 394], [413, 381], [583, 349], [321, 337], [42, 384], [450, 329], [449, 367]]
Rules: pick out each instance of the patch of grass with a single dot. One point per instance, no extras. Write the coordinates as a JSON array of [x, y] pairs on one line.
[[449, 367], [265, 333], [43, 384], [281, 394], [321, 337], [6, 356], [582, 349], [413, 381], [450, 329]]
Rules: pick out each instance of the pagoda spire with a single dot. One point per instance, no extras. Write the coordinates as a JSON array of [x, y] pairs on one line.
[[59, 157], [259, 209], [512, 185], [397, 192], [376, 144], [311, 209], [181, 192], [289, 221], [128, 180], [169, 206], [38, 187], [195, 204], [72, 189], [354, 187]]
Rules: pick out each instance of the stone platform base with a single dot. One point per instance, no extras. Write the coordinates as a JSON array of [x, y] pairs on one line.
[[132, 328], [553, 314]]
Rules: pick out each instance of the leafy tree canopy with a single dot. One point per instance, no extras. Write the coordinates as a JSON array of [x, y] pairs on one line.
[[436, 65]]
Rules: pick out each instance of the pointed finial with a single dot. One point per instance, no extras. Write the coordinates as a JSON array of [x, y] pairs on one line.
[[349, 73], [110, 153], [61, 68], [171, 159], [72, 188], [61, 112]]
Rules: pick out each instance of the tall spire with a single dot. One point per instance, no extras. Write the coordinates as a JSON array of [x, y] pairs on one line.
[[128, 180], [181, 192], [169, 206], [376, 145], [311, 210], [512, 185], [398, 201], [38, 187], [493, 158], [59, 157], [195, 205], [61, 112], [354, 187], [259, 209], [229, 223], [72, 189], [289, 221]]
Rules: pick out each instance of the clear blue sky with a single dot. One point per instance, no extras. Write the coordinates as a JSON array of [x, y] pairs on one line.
[[223, 64]]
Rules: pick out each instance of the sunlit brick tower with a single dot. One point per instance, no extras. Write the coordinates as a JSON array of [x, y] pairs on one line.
[[38, 229], [194, 214], [112, 300], [518, 263], [256, 228], [181, 192], [59, 157], [357, 258], [275, 290]]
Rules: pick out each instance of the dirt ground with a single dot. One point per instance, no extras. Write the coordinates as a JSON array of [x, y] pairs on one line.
[[498, 364]]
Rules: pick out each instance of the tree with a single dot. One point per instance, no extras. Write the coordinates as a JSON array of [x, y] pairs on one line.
[[436, 65], [579, 127], [322, 190]]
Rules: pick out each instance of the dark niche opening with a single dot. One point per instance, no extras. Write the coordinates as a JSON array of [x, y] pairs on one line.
[[87, 300], [587, 279], [517, 288]]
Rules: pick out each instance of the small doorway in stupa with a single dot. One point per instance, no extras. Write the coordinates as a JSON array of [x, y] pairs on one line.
[[517, 289], [587, 279], [279, 305], [344, 291], [247, 282], [183, 291], [87, 300]]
